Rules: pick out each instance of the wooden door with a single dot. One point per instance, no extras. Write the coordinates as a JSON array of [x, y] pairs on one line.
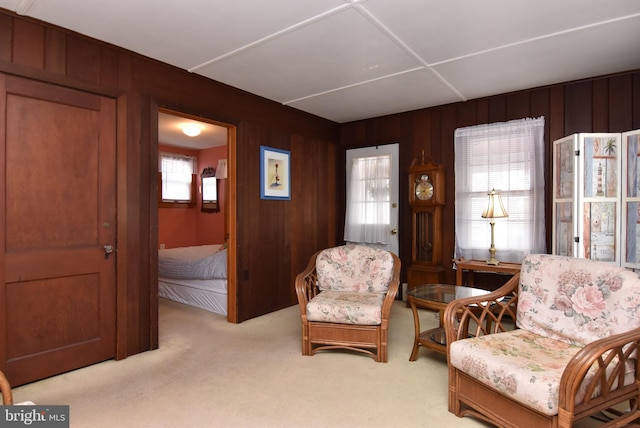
[[58, 195]]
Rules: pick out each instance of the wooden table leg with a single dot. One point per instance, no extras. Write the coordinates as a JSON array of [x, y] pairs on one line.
[[416, 323]]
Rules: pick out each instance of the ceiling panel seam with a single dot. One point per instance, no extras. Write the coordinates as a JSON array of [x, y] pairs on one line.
[[535, 39], [273, 36], [24, 6], [398, 41], [353, 85]]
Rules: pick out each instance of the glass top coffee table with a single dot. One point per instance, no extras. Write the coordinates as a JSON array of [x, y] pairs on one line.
[[435, 297]]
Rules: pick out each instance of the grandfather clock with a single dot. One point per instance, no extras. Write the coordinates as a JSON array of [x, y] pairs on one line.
[[426, 198]]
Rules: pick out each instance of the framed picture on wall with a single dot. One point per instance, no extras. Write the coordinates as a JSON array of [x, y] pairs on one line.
[[275, 179]]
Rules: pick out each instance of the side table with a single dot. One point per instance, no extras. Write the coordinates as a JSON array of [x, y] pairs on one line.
[[434, 297], [472, 266]]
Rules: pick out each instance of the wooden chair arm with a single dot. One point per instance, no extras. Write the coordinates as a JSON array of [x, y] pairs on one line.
[[480, 315], [5, 387], [306, 284], [610, 355]]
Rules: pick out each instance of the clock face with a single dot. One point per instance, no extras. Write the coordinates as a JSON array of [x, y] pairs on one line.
[[424, 190], [426, 186]]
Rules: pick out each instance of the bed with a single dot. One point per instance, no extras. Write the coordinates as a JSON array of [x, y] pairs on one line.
[[195, 276]]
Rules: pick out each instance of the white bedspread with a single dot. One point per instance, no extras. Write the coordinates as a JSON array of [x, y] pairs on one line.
[[199, 262]]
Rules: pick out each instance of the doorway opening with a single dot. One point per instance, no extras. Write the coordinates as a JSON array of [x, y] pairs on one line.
[[204, 238]]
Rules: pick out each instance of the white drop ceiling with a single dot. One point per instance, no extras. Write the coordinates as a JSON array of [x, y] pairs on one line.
[[346, 60]]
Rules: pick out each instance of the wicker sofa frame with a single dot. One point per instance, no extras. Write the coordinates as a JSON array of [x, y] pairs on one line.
[[495, 313]]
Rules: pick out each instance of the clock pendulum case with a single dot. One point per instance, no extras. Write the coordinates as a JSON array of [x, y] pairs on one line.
[[426, 199]]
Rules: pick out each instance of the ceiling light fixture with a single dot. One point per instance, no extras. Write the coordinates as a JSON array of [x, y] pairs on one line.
[[191, 130]]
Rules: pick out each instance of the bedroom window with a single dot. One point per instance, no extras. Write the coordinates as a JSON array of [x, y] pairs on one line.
[[176, 180]]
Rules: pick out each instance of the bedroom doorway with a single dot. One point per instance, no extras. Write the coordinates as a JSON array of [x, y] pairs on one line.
[[214, 147]]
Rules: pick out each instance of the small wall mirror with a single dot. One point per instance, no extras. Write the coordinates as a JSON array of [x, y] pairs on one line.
[[209, 191]]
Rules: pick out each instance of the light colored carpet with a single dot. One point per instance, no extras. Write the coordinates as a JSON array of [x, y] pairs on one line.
[[209, 373]]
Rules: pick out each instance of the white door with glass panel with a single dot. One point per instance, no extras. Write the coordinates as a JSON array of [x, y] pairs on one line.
[[371, 217]]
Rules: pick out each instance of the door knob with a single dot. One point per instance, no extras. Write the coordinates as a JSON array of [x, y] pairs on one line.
[[108, 249], [394, 231]]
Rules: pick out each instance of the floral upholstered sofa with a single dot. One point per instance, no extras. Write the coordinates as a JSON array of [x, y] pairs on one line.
[[345, 296], [557, 343]]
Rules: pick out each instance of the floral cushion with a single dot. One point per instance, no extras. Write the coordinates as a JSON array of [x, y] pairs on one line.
[[576, 300], [346, 307], [520, 364], [563, 304], [354, 268]]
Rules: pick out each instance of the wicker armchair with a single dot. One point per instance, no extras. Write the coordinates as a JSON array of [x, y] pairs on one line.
[[345, 296], [555, 344]]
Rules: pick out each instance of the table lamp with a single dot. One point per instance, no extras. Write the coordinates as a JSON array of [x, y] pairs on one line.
[[494, 209]]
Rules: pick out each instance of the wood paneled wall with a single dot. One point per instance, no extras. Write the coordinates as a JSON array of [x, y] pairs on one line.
[[275, 238], [604, 104]]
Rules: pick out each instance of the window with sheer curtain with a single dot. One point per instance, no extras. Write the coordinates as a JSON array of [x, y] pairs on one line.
[[367, 216], [177, 178], [507, 157]]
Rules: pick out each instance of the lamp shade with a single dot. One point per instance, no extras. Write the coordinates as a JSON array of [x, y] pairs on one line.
[[221, 170], [494, 209]]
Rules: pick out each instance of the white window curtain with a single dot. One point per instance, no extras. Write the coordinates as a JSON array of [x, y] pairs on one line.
[[507, 157], [177, 173], [177, 163], [368, 201]]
